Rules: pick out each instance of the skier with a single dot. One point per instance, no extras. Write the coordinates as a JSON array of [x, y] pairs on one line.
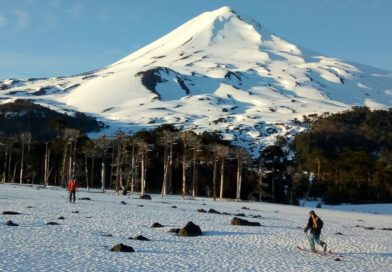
[[315, 225], [72, 185]]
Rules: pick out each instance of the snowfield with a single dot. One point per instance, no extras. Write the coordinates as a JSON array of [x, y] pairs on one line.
[[78, 242]]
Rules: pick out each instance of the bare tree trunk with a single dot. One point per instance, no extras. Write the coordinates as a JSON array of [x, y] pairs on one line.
[[165, 172], [5, 165], [46, 165], [63, 167], [239, 177], [260, 184], [70, 162], [214, 179], [170, 176], [143, 183], [133, 171], [14, 174], [92, 169], [103, 176], [184, 173], [222, 176], [21, 165], [194, 173], [111, 168], [118, 168], [86, 171], [10, 162]]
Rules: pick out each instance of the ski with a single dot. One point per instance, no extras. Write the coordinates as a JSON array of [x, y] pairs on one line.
[[327, 253]]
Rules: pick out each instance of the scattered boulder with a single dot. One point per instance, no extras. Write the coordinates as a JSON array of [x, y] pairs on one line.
[[139, 238], [10, 213], [241, 222], [122, 248], [213, 211], [390, 229], [107, 235], [156, 225], [240, 214], [369, 228], [201, 210], [225, 213], [29, 207], [337, 259], [11, 224], [60, 218], [174, 207], [139, 205], [84, 198], [123, 203], [174, 230], [339, 233], [256, 216], [75, 212], [245, 208], [190, 229], [148, 197], [52, 223]]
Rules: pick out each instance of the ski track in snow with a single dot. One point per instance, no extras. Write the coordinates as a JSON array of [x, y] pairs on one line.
[[77, 243]]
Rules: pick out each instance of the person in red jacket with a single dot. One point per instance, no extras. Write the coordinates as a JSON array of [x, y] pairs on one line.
[[72, 186]]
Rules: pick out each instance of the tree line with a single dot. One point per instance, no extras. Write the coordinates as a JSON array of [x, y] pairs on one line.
[[342, 157]]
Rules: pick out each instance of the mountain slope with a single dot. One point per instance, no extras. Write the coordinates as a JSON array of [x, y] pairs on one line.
[[219, 71]]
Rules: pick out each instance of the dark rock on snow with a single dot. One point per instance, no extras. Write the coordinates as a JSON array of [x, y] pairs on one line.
[[213, 211], [75, 212], [156, 225], [240, 214], [107, 235], [11, 224], [139, 238], [52, 223], [245, 208], [190, 229], [201, 210], [148, 197], [122, 248], [60, 218], [174, 230], [241, 222], [174, 207], [10, 213], [339, 233], [139, 205], [123, 203], [390, 229], [84, 198]]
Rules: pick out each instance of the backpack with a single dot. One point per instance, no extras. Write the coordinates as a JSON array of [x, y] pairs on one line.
[[321, 223]]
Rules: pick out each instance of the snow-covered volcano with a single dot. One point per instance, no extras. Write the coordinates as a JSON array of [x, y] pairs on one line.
[[219, 71]]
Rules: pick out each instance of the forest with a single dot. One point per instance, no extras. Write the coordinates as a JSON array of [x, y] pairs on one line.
[[343, 157]]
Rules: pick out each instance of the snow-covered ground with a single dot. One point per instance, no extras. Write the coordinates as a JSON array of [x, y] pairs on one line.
[[78, 244]]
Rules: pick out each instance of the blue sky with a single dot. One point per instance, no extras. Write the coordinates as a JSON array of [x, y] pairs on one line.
[[45, 38]]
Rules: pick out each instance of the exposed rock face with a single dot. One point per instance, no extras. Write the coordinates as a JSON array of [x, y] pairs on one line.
[[122, 248], [190, 229], [241, 222]]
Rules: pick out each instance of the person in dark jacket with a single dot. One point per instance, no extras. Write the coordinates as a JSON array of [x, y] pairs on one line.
[[72, 186], [315, 225]]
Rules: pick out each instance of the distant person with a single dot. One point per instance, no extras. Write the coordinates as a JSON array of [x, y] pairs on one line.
[[72, 186], [315, 224]]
